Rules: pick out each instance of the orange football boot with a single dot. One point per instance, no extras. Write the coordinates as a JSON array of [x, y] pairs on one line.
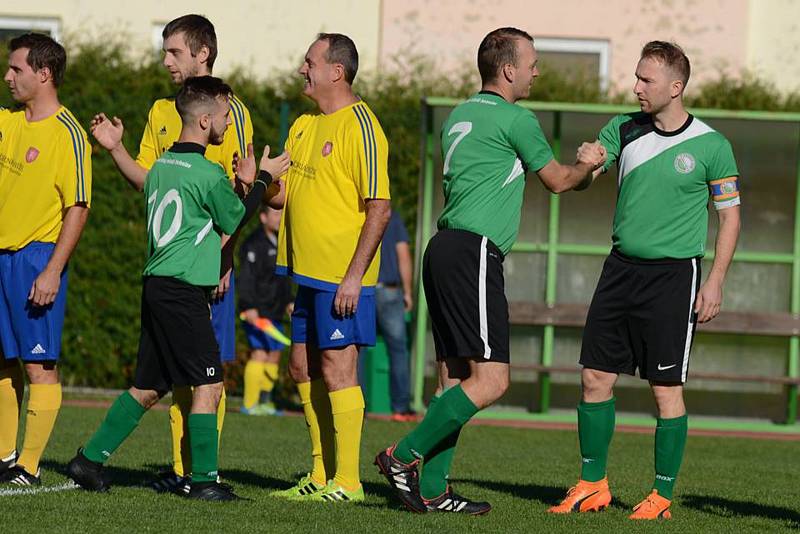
[[584, 497], [653, 507]]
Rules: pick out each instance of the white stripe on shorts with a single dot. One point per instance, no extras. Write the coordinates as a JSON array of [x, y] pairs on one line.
[[487, 351], [688, 345]]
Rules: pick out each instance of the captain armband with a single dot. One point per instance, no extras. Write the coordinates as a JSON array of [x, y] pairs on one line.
[[725, 192]]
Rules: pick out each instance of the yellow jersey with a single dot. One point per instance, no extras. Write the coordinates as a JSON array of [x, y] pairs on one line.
[[164, 127], [45, 167], [338, 161]]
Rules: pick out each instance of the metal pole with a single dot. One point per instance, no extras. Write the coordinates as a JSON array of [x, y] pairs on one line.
[[423, 236], [283, 125], [548, 339], [794, 341]]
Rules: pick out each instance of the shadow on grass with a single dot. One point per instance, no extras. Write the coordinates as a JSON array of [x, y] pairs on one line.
[[548, 495], [119, 476], [249, 478], [723, 507]]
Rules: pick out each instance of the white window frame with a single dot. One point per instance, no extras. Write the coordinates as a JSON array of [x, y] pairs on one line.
[[156, 29], [580, 46], [50, 24]]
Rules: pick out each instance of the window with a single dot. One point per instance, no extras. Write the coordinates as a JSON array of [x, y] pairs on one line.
[[11, 27], [576, 56], [156, 28]]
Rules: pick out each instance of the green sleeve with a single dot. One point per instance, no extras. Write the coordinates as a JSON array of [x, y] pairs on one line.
[[224, 206], [529, 142], [721, 163], [609, 138]]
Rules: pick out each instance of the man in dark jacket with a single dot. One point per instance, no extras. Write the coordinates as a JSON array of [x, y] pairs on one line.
[[262, 295]]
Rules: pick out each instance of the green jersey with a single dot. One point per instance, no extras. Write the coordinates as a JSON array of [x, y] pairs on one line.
[[488, 144], [189, 200], [664, 183]]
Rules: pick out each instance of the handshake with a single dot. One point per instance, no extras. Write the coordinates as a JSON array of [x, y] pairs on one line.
[[592, 154]]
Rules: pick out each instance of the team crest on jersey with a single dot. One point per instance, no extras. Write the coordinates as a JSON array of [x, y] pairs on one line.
[[163, 131], [327, 148], [31, 154], [684, 163]]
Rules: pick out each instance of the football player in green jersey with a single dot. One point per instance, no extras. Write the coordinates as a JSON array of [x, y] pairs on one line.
[[488, 144], [189, 201], [649, 297]]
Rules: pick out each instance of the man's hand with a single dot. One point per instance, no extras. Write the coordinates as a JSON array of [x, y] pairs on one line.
[[347, 294], [593, 154], [708, 301], [245, 168], [251, 315], [107, 132], [408, 302], [45, 288], [276, 166]]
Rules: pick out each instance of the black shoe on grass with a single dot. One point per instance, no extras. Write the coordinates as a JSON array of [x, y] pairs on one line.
[[449, 501], [212, 491], [86, 473], [403, 478], [17, 476]]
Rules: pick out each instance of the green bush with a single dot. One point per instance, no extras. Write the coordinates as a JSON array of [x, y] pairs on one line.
[[102, 327]]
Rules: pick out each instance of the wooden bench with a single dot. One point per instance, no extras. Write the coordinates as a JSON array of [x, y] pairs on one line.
[[750, 323]]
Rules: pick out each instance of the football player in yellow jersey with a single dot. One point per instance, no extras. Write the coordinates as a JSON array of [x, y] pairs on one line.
[[190, 49], [337, 208], [45, 191]]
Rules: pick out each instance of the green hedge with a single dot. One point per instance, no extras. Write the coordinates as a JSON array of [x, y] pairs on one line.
[[102, 326]]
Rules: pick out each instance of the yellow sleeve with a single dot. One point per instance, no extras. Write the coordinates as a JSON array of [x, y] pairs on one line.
[[74, 179], [148, 150], [242, 128], [371, 156]]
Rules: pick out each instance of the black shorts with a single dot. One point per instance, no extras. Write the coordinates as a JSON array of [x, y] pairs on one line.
[[177, 344], [462, 273], [642, 316]]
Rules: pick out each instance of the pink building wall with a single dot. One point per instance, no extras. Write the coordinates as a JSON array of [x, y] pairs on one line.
[[713, 32]]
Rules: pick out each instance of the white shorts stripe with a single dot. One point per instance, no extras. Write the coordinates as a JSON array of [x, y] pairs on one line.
[[484, 323], [690, 326]]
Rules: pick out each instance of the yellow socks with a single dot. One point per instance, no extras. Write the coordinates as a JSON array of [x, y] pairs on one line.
[[269, 377], [258, 377], [178, 425], [253, 377], [220, 416], [348, 415], [43, 406], [319, 420], [12, 386]]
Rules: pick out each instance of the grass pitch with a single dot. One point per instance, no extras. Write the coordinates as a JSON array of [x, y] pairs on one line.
[[726, 484]]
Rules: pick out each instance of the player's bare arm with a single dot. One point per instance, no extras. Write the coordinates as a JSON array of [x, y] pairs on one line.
[[108, 132], [709, 298], [378, 212], [558, 178], [45, 287]]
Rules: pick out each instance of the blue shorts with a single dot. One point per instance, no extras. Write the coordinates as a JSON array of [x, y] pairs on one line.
[[260, 340], [27, 331], [223, 320], [315, 322]]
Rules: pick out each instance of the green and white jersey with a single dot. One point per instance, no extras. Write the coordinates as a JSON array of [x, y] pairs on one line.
[[664, 183], [189, 200], [488, 144]]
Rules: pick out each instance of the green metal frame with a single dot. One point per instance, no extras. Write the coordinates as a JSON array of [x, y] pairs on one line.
[[553, 248]]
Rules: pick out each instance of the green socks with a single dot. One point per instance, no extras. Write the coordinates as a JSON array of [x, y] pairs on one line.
[[203, 439], [670, 443], [445, 416], [436, 467], [122, 418], [595, 430]]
